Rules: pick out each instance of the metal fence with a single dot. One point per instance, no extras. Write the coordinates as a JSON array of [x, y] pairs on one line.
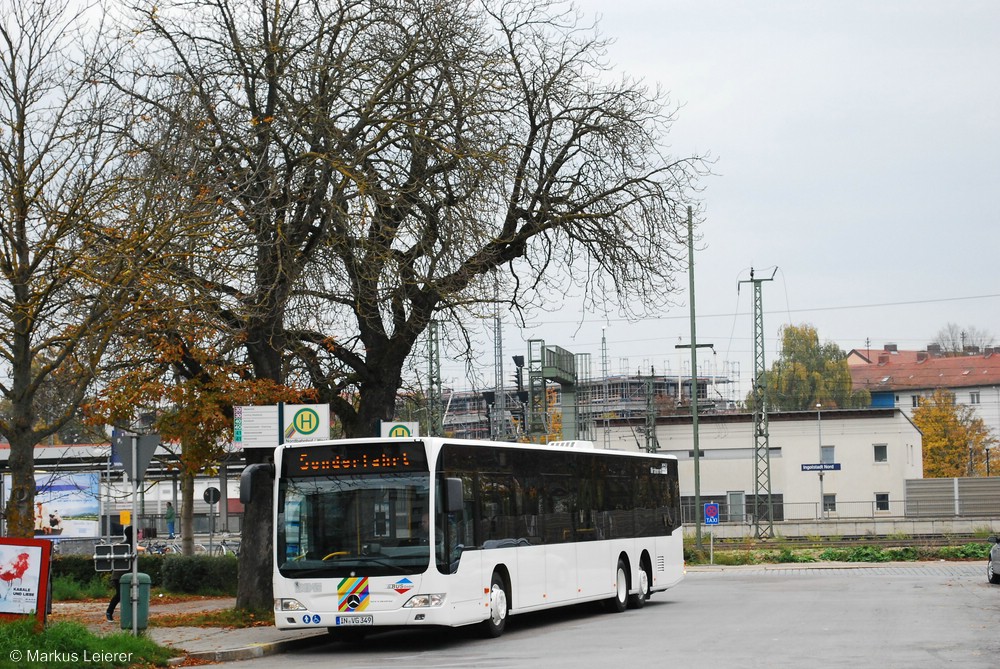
[[154, 526], [978, 507]]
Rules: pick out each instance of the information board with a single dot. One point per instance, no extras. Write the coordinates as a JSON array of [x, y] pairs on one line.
[[261, 426]]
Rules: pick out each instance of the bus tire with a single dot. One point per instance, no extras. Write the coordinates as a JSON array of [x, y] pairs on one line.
[[619, 602], [637, 600], [495, 624]]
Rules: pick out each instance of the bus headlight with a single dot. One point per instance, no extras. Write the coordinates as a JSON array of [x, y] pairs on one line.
[[288, 605], [424, 601]]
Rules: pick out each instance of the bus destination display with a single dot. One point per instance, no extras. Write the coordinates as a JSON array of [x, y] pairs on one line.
[[355, 459]]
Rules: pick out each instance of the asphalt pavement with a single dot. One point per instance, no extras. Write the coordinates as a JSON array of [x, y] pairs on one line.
[[225, 644]]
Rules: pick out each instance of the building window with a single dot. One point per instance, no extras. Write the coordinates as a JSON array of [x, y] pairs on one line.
[[974, 397], [881, 452], [826, 455], [881, 501], [747, 511], [916, 400], [737, 505], [829, 503]]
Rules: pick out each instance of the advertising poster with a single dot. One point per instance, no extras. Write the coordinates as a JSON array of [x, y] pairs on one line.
[[67, 504], [24, 575]]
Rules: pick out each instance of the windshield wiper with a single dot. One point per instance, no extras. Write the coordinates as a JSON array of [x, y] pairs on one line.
[[370, 559]]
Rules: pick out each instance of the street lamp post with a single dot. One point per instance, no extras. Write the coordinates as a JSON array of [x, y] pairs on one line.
[[819, 428]]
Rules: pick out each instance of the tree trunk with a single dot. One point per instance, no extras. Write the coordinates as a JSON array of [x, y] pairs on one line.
[[187, 512], [20, 512], [255, 589], [377, 399]]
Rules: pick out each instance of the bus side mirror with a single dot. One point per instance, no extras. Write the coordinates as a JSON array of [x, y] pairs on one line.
[[454, 495], [246, 479]]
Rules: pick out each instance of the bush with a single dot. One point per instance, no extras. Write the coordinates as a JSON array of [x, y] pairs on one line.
[[972, 551], [65, 588], [80, 568], [74, 577], [859, 554], [694, 556], [907, 554], [833, 555], [736, 558], [787, 555], [200, 574]]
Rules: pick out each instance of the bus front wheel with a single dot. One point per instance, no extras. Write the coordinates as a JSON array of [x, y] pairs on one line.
[[494, 625], [619, 602]]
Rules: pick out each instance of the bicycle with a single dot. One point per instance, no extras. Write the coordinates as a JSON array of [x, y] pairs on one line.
[[161, 548], [171, 548], [226, 547]]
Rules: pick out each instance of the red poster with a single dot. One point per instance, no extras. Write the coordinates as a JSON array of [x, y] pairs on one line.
[[24, 577]]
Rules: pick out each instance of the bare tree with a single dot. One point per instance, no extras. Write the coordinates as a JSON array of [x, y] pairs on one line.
[[522, 168], [957, 340], [375, 164], [65, 231]]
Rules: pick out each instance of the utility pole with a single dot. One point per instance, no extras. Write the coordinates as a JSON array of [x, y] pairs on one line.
[[435, 418], [762, 452], [694, 346], [500, 403], [652, 443], [606, 417]]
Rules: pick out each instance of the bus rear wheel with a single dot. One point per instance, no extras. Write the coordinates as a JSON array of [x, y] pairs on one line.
[[495, 624], [637, 600], [619, 602]]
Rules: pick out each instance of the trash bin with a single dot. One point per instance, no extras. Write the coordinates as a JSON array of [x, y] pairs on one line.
[[142, 616]]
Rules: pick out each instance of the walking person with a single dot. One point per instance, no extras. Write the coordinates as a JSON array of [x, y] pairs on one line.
[[170, 517], [116, 575]]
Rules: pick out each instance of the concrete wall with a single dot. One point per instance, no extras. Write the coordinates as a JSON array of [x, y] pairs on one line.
[[727, 457]]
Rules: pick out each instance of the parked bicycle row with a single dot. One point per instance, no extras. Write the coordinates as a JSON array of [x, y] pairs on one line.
[[217, 549]]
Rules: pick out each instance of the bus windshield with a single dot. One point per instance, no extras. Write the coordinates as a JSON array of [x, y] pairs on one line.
[[334, 525]]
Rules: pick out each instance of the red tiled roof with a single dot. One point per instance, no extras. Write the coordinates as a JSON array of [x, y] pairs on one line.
[[919, 370], [871, 356]]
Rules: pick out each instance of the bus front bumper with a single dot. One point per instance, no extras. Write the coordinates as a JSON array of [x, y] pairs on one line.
[[430, 614]]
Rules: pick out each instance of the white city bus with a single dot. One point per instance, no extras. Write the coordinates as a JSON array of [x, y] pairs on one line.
[[376, 533]]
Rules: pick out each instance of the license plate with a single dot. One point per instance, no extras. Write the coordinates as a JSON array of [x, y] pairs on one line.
[[355, 620]]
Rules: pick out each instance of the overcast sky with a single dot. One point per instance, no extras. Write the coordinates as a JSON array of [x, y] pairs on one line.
[[857, 148]]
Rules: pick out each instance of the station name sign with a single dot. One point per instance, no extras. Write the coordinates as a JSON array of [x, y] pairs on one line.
[[822, 467]]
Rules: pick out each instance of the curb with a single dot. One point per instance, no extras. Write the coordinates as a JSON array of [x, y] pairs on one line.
[[799, 566], [249, 652]]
